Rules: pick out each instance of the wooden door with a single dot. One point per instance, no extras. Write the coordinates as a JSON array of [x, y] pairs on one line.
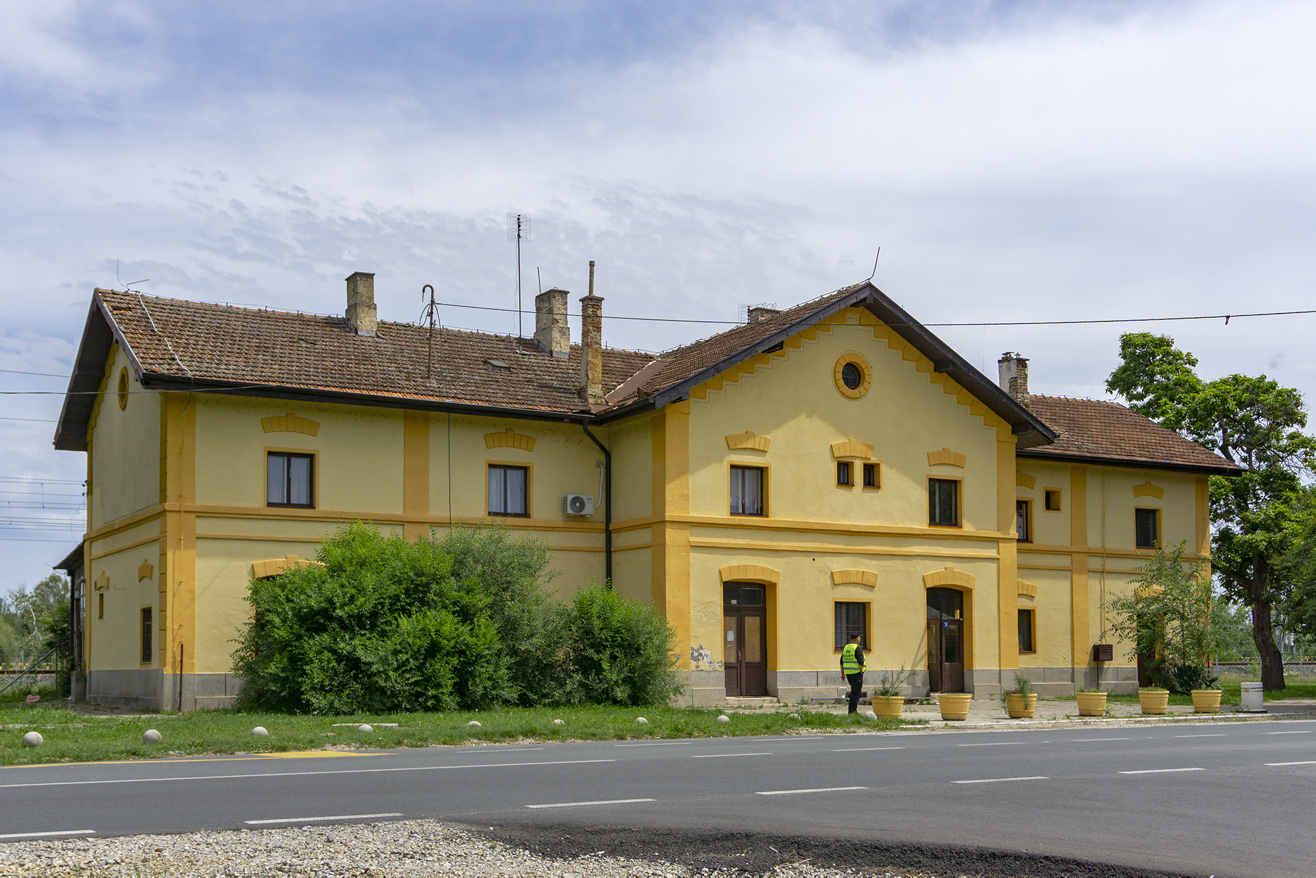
[[945, 640], [744, 641]]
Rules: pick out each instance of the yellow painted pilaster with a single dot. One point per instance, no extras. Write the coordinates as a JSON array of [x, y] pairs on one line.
[[1203, 515], [1007, 585], [178, 558], [670, 582], [415, 472], [1078, 537]]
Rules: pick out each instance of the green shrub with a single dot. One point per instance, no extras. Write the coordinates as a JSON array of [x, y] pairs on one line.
[[385, 625]]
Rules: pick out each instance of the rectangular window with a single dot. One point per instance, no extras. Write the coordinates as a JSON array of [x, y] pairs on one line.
[[1052, 501], [851, 619], [146, 635], [844, 474], [288, 479], [943, 502], [508, 490], [872, 476], [1026, 631], [100, 606], [1147, 527], [1023, 523], [746, 490]]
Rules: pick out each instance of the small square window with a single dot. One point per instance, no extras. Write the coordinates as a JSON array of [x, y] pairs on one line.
[[872, 476], [508, 490], [1027, 633], [943, 502], [1052, 500], [289, 479], [146, 635], [1147, 528], [844, 474], [1023, 521], [100, 606], [746, 490], [851, 618]]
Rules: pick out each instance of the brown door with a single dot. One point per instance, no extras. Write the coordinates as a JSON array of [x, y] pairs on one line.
[[744, 637], [945, 640]]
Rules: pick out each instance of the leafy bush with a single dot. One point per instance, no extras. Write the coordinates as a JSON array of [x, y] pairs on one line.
[[385, 625]]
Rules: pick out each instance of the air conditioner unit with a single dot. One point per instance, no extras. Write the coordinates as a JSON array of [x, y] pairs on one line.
[[578, 504]]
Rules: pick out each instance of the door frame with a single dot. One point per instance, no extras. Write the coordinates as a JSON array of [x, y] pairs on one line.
[[751, 678], [936, 683]]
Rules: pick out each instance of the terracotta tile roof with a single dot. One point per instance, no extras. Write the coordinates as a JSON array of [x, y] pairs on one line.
[[170, 337], [1098, 429]]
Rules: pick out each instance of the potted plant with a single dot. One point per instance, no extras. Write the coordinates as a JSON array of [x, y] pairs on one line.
[[1154, 700], [888, 698], [954, 705], [1020, 701], [1091, 702], [1171, 618]]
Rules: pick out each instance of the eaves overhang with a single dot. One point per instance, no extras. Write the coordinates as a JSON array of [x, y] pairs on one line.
[[1224, 469], [99, 335]]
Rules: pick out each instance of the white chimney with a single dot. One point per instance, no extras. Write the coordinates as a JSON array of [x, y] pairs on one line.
[[1014, 376]]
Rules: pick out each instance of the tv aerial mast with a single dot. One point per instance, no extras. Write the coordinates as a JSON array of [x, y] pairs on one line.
[[518, 229]]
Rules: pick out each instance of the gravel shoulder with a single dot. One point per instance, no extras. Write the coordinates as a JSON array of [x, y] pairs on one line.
[[429, 848]]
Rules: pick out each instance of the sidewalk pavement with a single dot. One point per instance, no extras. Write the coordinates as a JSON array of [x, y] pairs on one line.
[[989, 713]]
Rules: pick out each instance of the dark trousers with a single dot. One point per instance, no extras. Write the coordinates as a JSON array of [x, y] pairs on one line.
[[856, 684]]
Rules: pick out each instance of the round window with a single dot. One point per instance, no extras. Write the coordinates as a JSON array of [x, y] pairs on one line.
[[852, 376]]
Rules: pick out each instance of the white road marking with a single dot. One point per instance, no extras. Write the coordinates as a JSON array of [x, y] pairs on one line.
[[996, 744], [1161, 770], [319, 819], [863, 749], [1280, 764], [654, 744], [1002, 779], [49, 834], [1093, 740], [1212, 735], [88, 783], [727, 755], [802, 792], [587, 804], [1303, 732]]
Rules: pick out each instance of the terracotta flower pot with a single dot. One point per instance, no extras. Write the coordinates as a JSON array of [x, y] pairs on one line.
[[1021, 706], [954, 705], [888, 705], [1206, 700], [1154, 701], [1092, 704]]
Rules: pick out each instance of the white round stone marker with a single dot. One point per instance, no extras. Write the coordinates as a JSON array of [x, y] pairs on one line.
[[724, 718], [558, 722], [868, 714], [793, 716], [150, 736], [365, 727], [475, 723], [33, 739], [641, 720], [259, 732]]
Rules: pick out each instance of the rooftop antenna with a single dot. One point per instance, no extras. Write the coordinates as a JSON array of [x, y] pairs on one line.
[[518, 228], [430, 314], [875, 258], [128, 287]]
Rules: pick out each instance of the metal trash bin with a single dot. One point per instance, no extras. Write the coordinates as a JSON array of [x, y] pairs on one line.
[[1252, 699]]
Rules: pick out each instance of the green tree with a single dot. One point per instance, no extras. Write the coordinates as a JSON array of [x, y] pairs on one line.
[[25, 615], [1252, 422], [1300, 561]]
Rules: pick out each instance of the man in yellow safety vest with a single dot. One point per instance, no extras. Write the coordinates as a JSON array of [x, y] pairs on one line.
[[852, 666]]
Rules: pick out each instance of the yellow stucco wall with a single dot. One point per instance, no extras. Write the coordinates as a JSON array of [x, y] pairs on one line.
[[125, 443], [122, 577]]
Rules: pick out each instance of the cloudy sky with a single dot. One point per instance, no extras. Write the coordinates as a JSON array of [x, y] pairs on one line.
[[1015, 161]]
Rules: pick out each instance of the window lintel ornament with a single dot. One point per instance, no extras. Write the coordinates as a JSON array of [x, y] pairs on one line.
[[749, 440], [1023, 480], [509, 438], [948, 576], [851, 449], [750, 573], [947, 457], [145, 571], [103, 581], [1147, 489], [854, 576], [290, 423], [275, 566], [1027, 589]]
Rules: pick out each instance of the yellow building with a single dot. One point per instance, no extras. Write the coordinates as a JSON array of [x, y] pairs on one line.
[[830, 468]]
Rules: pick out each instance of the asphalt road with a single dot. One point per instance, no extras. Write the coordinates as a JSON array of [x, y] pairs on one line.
[[1210, 799]]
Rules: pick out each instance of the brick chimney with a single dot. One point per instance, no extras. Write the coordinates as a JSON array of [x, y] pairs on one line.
[[361, 317], [591, 344], [1014, 376], [552, 334], [762, 312]]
